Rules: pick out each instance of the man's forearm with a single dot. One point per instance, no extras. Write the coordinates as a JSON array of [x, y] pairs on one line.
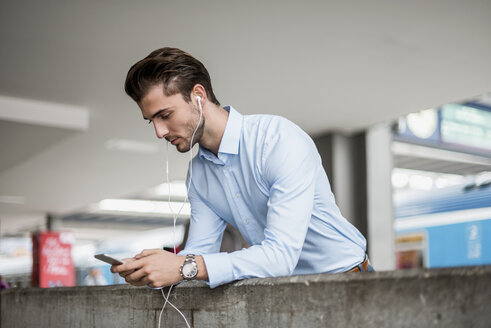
[[157, 268], [202, 272]]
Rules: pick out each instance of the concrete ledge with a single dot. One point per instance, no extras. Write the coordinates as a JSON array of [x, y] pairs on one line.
[[457, 297]]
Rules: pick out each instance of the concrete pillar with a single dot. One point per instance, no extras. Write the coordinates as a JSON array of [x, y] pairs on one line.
[[379, 197], [343, 158], [53, 222]]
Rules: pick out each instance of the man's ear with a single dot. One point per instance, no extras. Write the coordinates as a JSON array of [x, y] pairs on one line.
[[198, 92]]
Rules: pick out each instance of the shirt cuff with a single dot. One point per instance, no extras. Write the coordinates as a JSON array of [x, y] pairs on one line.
[[219, 268]]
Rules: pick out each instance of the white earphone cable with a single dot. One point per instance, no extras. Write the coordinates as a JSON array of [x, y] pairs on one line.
[[166, 298]]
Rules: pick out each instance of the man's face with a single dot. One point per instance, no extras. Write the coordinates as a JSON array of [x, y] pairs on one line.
[[173, 118]]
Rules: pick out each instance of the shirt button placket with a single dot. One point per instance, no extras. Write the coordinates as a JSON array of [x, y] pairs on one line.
[[237, 196]]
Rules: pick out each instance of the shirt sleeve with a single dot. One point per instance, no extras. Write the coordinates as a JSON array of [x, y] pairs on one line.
[[205, 229], [289, 165]]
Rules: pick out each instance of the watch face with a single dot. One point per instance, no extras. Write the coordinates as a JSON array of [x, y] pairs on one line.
[[189, 270]]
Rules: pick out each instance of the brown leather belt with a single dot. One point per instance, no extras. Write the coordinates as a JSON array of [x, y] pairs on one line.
[[365, 264]]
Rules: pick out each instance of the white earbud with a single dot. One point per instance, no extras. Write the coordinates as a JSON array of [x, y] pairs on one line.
[[199, 102]]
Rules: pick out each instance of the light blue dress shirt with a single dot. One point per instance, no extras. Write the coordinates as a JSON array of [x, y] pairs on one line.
[[269, 183]]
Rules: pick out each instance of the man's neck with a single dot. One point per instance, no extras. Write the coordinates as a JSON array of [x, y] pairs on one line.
[[215, 122]]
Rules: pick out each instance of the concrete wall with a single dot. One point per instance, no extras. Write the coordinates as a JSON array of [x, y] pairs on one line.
[[459, 297]]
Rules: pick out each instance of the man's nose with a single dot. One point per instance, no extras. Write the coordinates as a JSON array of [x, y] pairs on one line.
[[160, 129]]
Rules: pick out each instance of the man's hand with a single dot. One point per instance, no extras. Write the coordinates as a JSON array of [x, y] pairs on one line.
[[153, 267]]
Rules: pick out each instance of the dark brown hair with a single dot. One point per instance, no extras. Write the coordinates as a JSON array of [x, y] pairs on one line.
[[176, 70]]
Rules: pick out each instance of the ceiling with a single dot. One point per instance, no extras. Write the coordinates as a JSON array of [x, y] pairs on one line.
[[423, 158], [326, 65]]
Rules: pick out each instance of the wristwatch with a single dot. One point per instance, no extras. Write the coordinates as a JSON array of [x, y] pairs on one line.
[[189, 269]]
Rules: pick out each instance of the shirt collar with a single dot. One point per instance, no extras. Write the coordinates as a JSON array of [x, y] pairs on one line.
[[230, 139], [231, 136]]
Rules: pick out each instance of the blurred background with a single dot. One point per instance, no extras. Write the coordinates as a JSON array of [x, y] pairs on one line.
[[395, 94]]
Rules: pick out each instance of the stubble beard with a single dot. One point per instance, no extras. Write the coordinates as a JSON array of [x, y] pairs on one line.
[[197, 136]]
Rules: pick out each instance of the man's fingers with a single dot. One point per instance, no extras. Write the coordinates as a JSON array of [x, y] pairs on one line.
[[147, 252], [135, 276], [116, 267], [113, 268], [138, 282], [141, 282], [125, 273], [149, 282], [127, 266]]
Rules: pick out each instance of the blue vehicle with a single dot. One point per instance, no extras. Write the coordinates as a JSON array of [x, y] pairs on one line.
[[445, 227]]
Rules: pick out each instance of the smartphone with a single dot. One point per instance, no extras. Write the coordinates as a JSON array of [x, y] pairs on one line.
[[108, 259]]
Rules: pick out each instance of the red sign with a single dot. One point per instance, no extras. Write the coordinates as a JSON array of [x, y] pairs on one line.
[[52, 259]]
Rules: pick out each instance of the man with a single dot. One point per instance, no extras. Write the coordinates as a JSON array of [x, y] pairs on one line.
[[94, 278], [260, 173], [3, 283]]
